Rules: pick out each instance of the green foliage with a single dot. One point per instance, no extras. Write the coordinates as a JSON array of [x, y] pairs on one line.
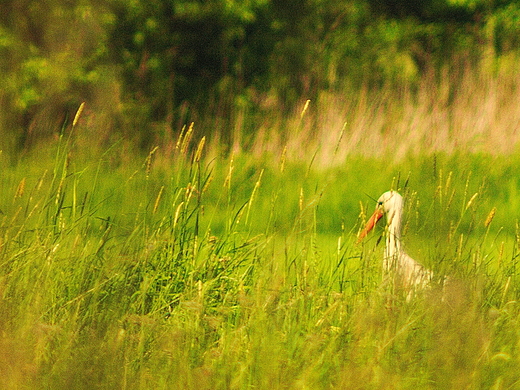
[[191, 269], [148, 67]]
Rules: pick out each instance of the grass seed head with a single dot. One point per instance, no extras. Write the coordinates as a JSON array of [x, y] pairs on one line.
[[20, 189], [200, 148], [186, 139], [181, 135], [157, 200], [78, 114], [490, 217], [305, 108], [149, 161], [207, 184], [468, 205]]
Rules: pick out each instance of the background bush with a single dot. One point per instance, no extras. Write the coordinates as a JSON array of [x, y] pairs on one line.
[[145, 68]]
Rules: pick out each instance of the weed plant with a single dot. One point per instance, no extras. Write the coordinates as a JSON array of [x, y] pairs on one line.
[[188, 270]]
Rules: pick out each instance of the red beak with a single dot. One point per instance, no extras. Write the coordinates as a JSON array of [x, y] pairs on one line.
[[370, 224]]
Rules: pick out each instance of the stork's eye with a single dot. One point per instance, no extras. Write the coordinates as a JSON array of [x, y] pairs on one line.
[[380, 203]]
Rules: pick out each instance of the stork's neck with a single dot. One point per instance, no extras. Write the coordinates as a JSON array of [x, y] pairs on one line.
[[393, 237]]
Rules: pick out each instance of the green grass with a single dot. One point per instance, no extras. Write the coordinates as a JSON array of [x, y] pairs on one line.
[[182, 270]]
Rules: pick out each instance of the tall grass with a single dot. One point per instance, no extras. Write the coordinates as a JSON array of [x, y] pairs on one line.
[[188, 269], [460, 109]]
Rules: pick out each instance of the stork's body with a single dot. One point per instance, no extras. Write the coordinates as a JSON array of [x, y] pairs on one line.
[[406, 270]]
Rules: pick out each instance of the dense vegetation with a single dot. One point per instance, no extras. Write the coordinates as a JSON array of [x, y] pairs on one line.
[[187, 270], [145, 68]]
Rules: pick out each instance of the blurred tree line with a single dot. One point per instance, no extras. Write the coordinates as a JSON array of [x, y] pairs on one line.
[[145, 67]]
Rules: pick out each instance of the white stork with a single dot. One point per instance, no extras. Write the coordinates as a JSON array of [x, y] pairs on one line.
[[408, 272]]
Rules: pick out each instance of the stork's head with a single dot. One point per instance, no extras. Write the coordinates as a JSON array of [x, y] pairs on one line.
[[390, 203]]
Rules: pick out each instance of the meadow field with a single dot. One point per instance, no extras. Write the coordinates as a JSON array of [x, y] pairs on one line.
[[194, 267]]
